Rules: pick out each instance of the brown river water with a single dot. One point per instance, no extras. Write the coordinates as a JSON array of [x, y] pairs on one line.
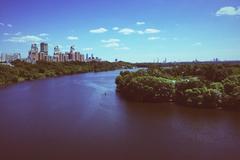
[[82, 117]]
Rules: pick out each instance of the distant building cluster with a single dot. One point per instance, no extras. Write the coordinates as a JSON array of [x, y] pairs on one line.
[[35, 54], [92, 58], [42, 54], [9, 57], [72, 55]]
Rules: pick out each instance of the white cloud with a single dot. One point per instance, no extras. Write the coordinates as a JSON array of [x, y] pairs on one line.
[[153, 38], [229, 11], [111, 41], [140, 23], [140, 32], [151, 30], [126, 31], [87, 49], [72, 38], [16, 34], [24, 39], [2, 24], [43, 34], [115, 28], [6, 34], [112, 45], [10, 25], [99, 30], [122, 48], [197, 44]]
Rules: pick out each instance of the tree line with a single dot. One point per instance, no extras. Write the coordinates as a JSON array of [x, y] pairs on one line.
[[207, 85], [22, 71]]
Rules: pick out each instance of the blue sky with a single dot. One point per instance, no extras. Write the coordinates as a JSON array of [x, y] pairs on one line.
[[136, 30]]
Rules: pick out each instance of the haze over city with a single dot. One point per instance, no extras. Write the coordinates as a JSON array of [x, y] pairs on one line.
[[134, 31]]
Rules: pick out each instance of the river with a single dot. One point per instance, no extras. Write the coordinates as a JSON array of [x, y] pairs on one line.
[[82, 117]]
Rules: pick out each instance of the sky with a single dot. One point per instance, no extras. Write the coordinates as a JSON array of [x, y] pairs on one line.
[[129, 30]]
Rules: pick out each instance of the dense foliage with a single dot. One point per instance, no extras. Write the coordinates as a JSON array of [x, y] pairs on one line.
[[209, 85], [21, 71]]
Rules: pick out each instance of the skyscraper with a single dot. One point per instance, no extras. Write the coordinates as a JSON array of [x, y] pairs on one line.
[[44, 48], [56, 50], [34, 48], [72, 49], [33, 53]]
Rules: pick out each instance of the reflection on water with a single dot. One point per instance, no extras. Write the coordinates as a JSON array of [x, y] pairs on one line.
[[81, 116]]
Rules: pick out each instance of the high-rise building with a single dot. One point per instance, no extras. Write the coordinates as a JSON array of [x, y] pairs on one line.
[[44, 48], [66, 57], [34, 48], [56, 50], [43, 55], [33, 53], [72, 49], [82, 58], [72, 54], [57, 55]]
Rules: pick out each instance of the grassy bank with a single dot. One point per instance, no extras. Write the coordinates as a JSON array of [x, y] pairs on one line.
[[22, 71]]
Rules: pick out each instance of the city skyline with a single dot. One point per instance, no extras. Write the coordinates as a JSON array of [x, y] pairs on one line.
[[130, 31]]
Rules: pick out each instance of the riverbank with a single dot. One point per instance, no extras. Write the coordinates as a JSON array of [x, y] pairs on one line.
[[22, 71], [198, 85]]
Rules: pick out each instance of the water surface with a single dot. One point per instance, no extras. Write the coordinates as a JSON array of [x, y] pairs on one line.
[[82, 117]]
